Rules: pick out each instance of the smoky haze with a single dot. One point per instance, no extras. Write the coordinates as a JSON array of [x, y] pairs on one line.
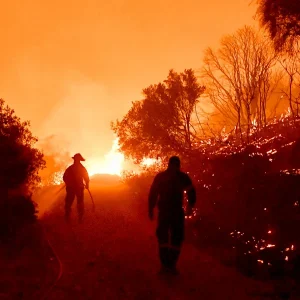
[[71, 67]]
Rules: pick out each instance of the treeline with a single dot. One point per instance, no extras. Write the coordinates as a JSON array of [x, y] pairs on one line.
[[244, 83], [252, 77]]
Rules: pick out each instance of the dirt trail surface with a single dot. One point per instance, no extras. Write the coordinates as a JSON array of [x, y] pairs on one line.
[[113, 255]]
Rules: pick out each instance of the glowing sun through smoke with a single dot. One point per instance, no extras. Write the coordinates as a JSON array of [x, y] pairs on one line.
[[111, 164]]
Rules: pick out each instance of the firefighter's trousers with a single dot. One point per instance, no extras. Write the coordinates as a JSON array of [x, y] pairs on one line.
[[170, 235], [70, 197]]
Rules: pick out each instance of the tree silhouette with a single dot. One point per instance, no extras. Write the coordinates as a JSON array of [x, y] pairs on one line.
[[161, 123], [20, 164], [237, 77], [20, 161], [282, 20], [290, 62]]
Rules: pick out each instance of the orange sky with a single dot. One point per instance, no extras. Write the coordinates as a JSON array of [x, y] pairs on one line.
[[73, 66]]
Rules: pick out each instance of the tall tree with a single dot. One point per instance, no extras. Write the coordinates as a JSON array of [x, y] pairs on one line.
[[237, 77], [161, 123], [282, 20], [290, 63]]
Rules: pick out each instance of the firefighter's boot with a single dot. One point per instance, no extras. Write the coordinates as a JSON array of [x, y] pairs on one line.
[[164, 258], [174, 253]]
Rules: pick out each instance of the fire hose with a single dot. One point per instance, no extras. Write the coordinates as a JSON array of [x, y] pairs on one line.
[[91, 199], [60, 271], [87, 190], [46, 292]]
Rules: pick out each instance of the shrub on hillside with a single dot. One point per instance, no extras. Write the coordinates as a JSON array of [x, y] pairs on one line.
[[20, 164], [248, 197]]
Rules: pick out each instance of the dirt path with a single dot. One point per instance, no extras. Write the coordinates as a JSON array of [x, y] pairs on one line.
[[113, 255]]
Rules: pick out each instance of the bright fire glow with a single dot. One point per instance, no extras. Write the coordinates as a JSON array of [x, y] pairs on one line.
[[112, 163], [149, 161]]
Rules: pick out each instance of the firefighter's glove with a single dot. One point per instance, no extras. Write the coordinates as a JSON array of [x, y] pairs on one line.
[[150, 214]]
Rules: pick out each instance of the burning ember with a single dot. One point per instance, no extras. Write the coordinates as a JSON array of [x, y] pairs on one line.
[[260, 261]]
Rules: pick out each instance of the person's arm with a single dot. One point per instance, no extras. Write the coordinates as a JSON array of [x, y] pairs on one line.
[[190, 191], [86, 178], [66, 176], [153, 195]]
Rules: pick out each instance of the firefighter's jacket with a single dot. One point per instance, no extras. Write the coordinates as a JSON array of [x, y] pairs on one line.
[[74, 176], [167, 191]]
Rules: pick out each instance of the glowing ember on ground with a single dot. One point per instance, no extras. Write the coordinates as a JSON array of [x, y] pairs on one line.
[[260, 261]]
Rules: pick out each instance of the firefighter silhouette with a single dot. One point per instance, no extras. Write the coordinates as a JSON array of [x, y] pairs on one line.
[[166, 192], [76, 179]]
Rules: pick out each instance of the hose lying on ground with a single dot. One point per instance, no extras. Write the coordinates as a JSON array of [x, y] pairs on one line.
[[46, 291], [60, 272]]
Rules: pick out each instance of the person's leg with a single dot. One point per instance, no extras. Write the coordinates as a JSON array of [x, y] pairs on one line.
[[80, 204], [162, 233], [70, 196], [177, 238]]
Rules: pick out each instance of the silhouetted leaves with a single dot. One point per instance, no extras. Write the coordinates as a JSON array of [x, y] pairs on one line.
[[282, 20], [20, 163], [161, 123]]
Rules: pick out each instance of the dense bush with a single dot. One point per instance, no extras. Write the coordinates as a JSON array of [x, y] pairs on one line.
[[20, 164], [15, 214], [248, 197]]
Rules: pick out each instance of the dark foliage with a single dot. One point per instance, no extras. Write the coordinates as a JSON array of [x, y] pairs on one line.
[[20, 164], [248, 206], [282, 20], [16, 213], [160, 124]]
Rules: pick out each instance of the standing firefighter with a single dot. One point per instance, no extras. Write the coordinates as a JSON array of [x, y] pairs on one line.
[[167, 193], [73, 178]]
